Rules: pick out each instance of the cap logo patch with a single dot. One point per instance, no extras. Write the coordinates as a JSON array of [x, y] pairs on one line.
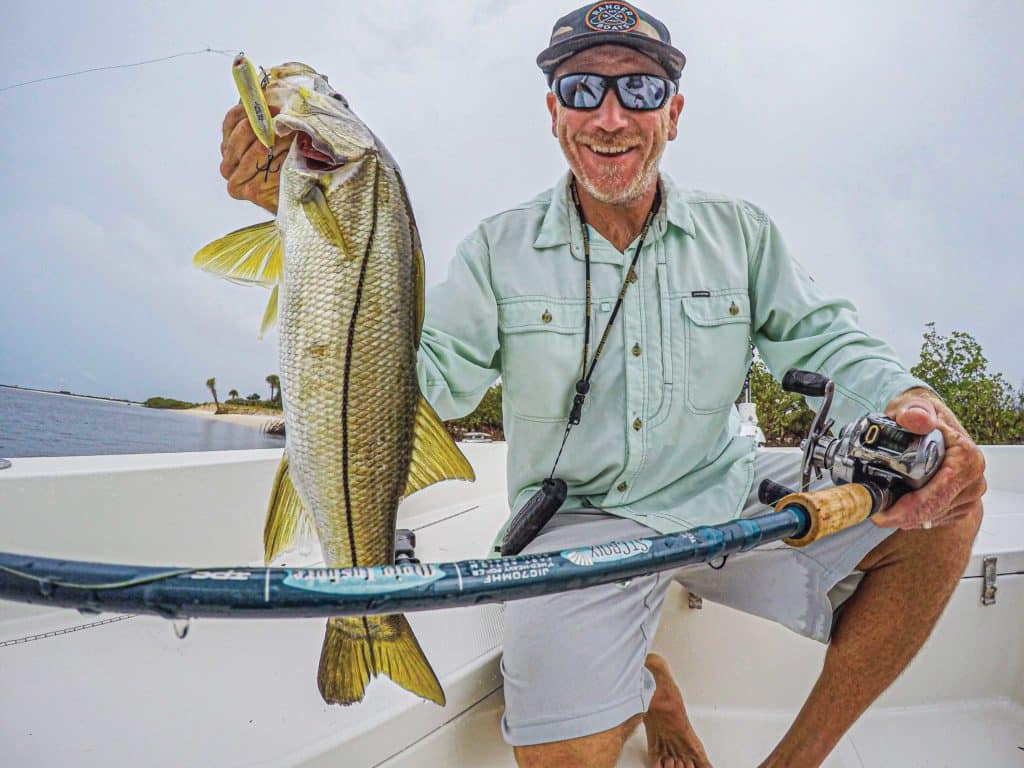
[[612, 17]]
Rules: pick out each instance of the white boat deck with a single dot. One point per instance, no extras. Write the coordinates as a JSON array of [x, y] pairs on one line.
[[128, 691]]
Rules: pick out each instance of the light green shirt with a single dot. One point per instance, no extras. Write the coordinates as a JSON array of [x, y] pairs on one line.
[[658, 441]]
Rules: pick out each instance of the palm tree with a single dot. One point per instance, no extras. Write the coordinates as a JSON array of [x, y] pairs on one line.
[[212, 384], [232, 393], [275, 384]]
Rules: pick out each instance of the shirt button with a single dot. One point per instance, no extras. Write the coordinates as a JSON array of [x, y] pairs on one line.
[[546, 317], [636, 350], [621, 487], [637, 424], [733, 309]]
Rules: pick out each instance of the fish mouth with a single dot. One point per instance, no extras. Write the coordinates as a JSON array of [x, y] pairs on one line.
[[316, 159]]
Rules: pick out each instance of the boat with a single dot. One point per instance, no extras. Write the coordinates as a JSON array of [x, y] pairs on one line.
[[89, 689]]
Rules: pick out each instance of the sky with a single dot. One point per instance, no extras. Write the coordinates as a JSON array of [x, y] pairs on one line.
[[883, 137]]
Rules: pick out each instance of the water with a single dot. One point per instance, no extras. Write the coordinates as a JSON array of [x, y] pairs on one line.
[[41, 424]]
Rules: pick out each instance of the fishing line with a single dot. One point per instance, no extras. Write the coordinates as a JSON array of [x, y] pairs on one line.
[[148, 579], [200, 52]]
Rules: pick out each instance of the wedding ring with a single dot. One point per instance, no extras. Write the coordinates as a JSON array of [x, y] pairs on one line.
[[927, 525]]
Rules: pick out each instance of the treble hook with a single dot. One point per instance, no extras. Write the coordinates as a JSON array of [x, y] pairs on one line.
[[266, 168]]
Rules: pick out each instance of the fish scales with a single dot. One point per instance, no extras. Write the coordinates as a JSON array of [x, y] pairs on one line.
[[348, 364]]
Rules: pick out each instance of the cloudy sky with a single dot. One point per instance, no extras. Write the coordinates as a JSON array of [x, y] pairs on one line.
[[883, 137]]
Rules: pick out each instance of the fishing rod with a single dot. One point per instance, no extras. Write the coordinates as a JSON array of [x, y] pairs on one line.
[[244, 592], [873, 459]]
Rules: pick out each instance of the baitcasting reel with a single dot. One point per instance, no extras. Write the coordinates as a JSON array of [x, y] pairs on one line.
[[873, 451]]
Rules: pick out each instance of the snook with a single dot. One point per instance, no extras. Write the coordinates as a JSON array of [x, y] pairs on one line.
[[348, 289]]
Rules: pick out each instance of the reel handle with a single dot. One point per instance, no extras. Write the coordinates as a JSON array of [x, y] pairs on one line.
[[769, 492], [805, 382]]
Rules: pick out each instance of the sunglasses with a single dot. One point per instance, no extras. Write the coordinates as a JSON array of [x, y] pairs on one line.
[[587, 91]]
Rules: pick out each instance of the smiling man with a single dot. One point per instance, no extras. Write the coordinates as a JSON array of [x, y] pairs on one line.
[[627, 306]]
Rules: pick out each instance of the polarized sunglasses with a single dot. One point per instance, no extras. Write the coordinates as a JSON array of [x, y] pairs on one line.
[[587, 91]]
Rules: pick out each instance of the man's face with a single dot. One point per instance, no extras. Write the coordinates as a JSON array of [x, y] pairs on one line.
[[613, 152]]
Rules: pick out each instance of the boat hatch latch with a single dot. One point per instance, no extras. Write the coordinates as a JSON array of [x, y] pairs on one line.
[[696, 602], [988, 574]]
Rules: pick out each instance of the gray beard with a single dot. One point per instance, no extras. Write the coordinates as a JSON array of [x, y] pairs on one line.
[[636, 189], [633, 191]]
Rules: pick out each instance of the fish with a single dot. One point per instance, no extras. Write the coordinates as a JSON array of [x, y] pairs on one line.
[[345, 264]]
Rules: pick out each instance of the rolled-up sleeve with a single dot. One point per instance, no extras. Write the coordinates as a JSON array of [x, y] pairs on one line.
[[459, 352], [794, 324]]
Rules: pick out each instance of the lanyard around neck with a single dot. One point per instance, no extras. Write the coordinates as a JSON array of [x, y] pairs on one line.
[[583, 385]]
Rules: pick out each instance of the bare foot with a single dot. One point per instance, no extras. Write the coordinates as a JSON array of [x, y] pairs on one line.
[[671, 740]]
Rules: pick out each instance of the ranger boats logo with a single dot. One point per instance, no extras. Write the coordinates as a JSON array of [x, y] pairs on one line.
[[607, 553], [612, 17]]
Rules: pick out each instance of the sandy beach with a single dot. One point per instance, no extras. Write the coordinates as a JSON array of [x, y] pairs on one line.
[[265, 422]]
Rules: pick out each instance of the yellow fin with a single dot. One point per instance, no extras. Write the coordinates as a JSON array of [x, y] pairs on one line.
[[357, 649], [270, 313], [435, 457], [320, 216], [287, 519], [251, 255], [420, 281]]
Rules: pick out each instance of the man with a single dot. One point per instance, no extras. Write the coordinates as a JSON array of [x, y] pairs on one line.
[[657, 448]]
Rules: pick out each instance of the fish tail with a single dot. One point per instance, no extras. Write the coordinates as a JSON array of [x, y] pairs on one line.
[[357, 649]]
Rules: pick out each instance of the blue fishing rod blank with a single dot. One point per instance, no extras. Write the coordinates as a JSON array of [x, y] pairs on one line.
[[244, 592]]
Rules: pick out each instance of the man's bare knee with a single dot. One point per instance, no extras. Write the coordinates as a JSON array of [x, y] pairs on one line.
[[594, 751], [940, 553]]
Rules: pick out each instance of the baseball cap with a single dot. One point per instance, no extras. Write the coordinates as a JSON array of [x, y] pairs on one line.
[[615, 23]]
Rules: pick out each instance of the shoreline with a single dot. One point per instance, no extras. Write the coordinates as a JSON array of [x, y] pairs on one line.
[[60, 393], [267, 423]]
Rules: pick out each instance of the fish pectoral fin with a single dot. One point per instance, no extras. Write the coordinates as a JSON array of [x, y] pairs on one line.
[[319, 213], [435, 456], [270, 313], [357, 649], [252, 255], [287, 519]]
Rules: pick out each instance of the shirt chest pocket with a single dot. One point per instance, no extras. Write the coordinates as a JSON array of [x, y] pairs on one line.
[[541, 352], [717, 342]]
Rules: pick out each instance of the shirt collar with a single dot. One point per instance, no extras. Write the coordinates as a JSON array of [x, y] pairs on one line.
[[561, 224]]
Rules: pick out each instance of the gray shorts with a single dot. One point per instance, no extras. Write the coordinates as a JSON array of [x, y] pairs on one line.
[[574, 662]]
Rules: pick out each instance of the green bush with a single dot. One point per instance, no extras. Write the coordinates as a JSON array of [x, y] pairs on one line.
[[957, 369], [486, 417], [168, 402], [784, 417]]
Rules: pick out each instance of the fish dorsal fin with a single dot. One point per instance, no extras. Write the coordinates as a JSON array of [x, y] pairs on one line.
[[435, 457], [287, 519], [252, 255]]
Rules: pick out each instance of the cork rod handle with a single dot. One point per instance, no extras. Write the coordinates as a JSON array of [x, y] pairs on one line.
[[831, 510]]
